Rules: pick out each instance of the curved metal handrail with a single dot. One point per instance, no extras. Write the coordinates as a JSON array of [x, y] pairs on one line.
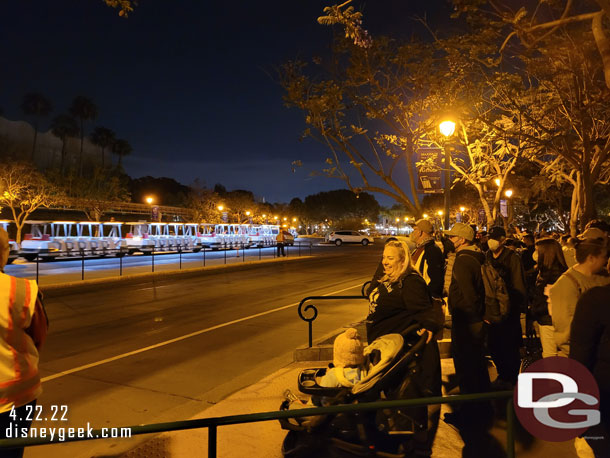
[[301, 310]]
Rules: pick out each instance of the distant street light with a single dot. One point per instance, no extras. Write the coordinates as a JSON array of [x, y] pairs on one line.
[[221, 208], [447, 128], [150, 200], [508, 193], [462, 209], [497, 182], [425, 216], [247, 213]]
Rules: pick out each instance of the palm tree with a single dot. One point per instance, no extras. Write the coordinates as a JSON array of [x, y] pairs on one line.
[[121, 148], [102, 137], [64, 126], [36, 105], [83, 109]]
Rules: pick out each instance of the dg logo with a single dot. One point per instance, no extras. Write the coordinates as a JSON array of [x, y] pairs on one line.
[[557, 399]]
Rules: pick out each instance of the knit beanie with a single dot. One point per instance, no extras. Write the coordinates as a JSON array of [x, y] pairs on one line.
[[348, 349]]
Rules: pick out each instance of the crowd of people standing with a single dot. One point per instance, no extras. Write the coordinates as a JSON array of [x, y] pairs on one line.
[[560, 284]]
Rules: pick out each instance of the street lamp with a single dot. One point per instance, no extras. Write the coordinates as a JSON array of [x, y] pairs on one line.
[[447, 128], [508, 193], [221, 208], [497, 182]]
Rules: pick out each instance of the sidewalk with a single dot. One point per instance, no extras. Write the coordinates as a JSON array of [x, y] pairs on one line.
[[264, 439]]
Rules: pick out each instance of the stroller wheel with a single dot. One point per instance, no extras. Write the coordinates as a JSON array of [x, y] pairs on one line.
[[302, 444]]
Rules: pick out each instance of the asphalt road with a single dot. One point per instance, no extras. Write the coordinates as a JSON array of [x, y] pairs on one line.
[[131, 354]]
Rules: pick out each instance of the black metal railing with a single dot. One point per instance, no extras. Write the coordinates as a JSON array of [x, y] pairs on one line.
[[188, 257], [213, 423], [311, 307]]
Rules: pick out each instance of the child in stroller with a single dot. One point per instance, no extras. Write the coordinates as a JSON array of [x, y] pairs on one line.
[[388, 370]]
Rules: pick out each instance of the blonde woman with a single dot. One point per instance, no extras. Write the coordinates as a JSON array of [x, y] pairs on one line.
[[400, 297]]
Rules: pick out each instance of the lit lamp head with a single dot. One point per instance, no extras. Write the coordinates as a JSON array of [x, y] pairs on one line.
[[462, 209], [497, 181], [508, 193], [149, 200], [447, 128], [247, 213], [440, 213]]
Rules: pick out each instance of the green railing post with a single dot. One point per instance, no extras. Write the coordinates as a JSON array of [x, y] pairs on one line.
[[510, 429], [212, 437]]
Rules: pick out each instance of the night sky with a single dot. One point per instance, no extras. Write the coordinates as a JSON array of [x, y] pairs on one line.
[[189, 83]]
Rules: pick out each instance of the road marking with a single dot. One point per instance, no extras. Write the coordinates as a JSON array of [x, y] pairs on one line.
[[178, 339]]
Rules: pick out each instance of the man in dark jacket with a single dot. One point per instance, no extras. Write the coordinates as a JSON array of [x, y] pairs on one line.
[[590, 345], [428, 258], [467, 306], [505, 340]]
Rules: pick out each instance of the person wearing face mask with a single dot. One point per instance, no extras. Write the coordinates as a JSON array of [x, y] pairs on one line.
[[428, 258], [591, 258], [505, 338]]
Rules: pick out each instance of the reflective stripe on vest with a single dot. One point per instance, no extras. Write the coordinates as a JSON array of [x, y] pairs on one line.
[[19, 379]]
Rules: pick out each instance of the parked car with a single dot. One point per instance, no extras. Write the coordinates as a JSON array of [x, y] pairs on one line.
[[288, 238], [341, 237]]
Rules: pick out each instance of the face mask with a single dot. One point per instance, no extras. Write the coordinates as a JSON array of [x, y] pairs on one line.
[[535, 256], [493, 244]]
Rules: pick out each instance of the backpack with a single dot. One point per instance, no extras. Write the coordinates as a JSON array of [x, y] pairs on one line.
[[497, 302]]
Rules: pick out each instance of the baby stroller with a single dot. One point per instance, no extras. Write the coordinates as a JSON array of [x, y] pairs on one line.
[[392, 363]]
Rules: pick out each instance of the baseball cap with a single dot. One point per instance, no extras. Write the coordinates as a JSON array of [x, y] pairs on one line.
[[592, 233], [461, 230], [425, 226], [497, 233]]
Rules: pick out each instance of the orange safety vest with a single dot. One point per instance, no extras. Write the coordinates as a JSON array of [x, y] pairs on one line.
[[19, 378], [280, 237]]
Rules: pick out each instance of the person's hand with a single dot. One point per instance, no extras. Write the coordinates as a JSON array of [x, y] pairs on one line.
[[422, 331]]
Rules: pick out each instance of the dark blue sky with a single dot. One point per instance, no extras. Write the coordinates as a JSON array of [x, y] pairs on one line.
[[189, 83]]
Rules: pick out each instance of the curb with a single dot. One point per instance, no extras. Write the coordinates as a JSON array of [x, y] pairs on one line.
[[87, 285]]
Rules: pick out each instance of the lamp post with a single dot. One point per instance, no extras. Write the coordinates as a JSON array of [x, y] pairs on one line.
[[508, 193], [447, 128]]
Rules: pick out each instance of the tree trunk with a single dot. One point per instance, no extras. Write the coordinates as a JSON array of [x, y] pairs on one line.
[[587, 203], [574, 210], [488, 215], [603, 44], [19, 227]]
